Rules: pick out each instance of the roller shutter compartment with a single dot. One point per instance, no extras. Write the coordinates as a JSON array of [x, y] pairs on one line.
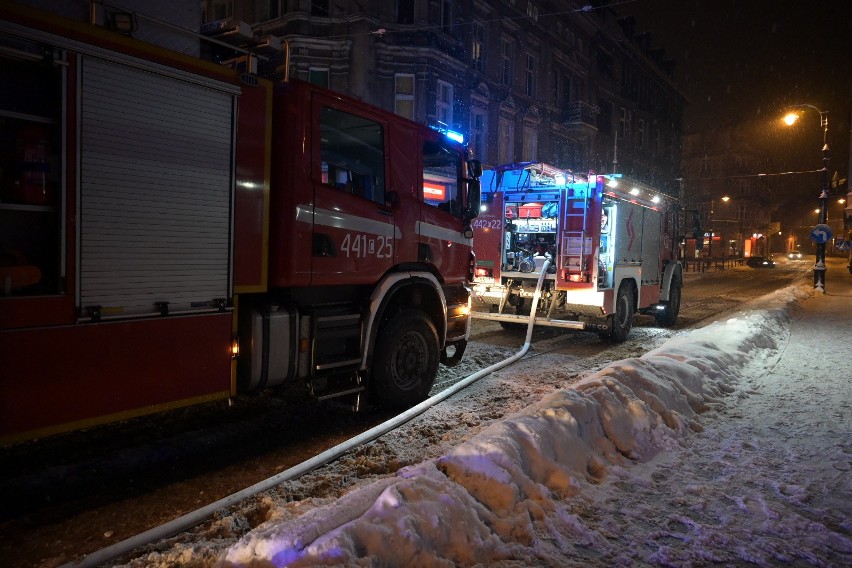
[[155, 191]]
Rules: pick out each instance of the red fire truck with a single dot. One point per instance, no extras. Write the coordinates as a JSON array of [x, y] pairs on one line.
[[174, 231], [606, 243]]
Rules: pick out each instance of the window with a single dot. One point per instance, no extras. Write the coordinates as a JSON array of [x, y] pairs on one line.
[[30, 177], [506, 149], [404, 95], [604, 118], [555, 80], [275, 10], [530, 76], [477, 51], [320, 8], [441, 172], [352, 154], [506, 57], [478, 131], [640, 133], [405, 12], [624, 120], [217, 10], [606, 65], [532, 11], [444, 103], [446, 16], [318, 76], [530, 143]]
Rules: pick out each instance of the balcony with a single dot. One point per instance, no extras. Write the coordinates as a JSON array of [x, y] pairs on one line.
[[578, 117]]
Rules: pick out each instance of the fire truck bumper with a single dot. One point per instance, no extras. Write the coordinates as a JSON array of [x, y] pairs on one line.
[[549, 322]]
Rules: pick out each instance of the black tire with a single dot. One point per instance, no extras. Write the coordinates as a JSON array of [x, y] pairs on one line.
[[511, 326], [621, 321], [668, 316], [405, 360]]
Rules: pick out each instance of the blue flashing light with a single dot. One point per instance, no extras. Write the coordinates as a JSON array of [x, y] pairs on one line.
[[457, 136], [451, 134]]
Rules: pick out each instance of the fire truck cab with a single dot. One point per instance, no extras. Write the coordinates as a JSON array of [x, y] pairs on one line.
[[606, 243]]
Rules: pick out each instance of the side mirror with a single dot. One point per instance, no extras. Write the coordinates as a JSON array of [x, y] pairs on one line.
[[474, 199], [475, 168]]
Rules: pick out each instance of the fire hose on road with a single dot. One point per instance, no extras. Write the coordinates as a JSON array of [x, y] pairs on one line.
[[198, 516]]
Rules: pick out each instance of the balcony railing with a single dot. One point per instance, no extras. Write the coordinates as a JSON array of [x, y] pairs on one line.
[[579, 115]]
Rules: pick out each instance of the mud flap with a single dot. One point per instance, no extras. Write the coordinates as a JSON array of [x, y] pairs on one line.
[[455, 358]]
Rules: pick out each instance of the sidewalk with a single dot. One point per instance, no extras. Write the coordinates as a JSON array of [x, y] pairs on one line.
[[772, 473]]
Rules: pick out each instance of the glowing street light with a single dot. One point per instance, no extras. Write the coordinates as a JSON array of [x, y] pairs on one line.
[[819, 265]]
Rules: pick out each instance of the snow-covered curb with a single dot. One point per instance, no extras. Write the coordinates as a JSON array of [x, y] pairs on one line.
[[495, 495]]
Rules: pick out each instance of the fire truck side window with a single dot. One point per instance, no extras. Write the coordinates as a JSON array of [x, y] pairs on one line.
[[30, 190], [441, 171], [352, 154]]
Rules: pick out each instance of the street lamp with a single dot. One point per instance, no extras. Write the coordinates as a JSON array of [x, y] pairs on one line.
[[819, 265]]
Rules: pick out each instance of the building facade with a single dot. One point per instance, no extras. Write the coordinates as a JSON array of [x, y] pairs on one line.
[[568, 83], [523, 80], [733, 202]]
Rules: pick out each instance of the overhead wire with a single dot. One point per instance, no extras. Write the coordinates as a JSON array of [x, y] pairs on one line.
[[585, 9]]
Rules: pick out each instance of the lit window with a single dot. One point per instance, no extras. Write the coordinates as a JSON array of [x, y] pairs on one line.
[[404, 95], [478, 47], [444, 103]]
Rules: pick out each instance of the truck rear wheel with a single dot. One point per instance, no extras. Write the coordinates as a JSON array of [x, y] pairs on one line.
[[621, 321], [668, 316], [406, 359]]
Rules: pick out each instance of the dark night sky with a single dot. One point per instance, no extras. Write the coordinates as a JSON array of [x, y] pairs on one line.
[[742, 61]]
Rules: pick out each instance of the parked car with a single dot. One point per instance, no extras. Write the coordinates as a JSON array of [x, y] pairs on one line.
[[795, 255], [760, 262]]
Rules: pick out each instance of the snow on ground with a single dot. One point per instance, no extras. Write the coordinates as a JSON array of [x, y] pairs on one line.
[[728, 445]]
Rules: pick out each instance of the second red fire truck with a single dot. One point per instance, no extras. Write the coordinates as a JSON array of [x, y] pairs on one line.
[[607, 245]]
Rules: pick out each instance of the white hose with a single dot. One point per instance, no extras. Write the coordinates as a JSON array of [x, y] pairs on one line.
[[198, 516]]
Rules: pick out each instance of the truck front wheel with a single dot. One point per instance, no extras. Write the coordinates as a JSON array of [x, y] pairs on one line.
[[621, 321], [406, 358]]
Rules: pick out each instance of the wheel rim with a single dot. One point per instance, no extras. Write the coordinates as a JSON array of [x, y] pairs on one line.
[[409, 360]]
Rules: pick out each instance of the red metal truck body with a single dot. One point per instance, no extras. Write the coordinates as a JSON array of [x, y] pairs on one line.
[[201, 232]]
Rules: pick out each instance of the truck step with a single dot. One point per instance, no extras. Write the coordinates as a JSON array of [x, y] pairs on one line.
[[337, 341], [336, 394]]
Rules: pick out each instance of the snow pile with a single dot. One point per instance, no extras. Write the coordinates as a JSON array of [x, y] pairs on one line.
[[520, 492]]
